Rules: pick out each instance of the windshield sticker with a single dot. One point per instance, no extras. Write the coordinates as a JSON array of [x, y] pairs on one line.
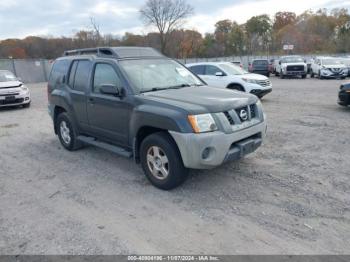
[[183, 72]]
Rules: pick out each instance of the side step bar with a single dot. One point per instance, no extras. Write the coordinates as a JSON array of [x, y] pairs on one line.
[[112, 148]]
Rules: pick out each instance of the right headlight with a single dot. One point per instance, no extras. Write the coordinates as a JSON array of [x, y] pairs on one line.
[[202, 123]]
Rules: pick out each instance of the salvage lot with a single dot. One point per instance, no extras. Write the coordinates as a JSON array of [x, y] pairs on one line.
[[292, 196]]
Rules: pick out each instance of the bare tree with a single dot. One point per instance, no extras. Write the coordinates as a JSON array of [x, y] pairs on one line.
[[96, 30], [166, 15]]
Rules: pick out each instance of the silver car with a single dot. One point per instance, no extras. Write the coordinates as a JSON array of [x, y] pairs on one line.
[[12, 91]]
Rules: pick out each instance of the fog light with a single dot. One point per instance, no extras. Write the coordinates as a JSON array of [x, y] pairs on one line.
[[206, 153], [27, 98]]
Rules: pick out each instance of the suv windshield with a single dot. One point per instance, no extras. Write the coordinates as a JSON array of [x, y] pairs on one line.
[[292, 60], [232, 69], [158, 74], [6, 76]]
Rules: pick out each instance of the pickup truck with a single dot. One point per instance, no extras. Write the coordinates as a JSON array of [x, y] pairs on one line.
[[137, 103], [291, 66]]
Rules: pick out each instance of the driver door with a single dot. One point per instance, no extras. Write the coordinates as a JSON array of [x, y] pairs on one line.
[[107, 114]]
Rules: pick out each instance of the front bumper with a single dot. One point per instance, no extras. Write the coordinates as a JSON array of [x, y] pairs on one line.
[[344, 98], [261, 72], [209, 150], [15, 100], [261, 92], [334, 75]]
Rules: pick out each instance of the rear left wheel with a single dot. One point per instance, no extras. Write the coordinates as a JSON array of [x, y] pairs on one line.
[[161, 161]]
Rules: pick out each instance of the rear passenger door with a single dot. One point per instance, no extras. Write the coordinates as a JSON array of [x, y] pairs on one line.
[[108, 115], [79, 82]]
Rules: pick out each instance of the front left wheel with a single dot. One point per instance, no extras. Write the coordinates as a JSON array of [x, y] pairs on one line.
[[66, 132], [161, 161]]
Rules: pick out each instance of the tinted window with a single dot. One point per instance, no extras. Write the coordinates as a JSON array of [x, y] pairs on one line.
[[198, 70], [260, 62], [212, 70], [105, 75], [59, 69], [81, 81], [72, 74]]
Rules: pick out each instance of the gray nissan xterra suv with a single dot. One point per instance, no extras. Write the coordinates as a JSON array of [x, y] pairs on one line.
[[137, 103]]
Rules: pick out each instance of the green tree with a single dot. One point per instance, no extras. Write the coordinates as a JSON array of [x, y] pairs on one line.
[[258, 30]]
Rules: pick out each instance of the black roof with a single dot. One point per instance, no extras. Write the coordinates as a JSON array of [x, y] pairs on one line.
[[116, 52]]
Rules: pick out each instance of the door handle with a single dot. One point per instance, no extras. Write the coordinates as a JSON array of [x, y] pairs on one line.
[[91, 101]]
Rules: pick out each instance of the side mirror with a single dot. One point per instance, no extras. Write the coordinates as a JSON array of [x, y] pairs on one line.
[[219, 74], [110, 90], [279, 62]]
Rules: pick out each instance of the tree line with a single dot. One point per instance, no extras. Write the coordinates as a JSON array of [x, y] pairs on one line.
[[323, 31]]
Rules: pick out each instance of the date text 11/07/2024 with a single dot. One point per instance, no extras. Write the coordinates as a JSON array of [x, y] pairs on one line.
[[173, 258]]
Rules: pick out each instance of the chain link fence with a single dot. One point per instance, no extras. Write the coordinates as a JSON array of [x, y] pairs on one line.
[[244, 60], [28, 70], [38, 70]]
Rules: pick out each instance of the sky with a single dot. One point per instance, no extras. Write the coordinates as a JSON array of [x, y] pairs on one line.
[[21, 18]]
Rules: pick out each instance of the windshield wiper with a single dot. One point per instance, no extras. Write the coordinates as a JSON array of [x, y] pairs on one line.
[[154, 89]]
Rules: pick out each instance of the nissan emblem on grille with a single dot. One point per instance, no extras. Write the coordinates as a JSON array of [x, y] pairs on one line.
[[243, 115]]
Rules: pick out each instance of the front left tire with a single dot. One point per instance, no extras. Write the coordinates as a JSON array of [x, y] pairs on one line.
[[161, 161]]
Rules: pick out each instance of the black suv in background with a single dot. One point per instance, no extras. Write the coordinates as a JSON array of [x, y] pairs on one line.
[[260, 66], [137, 103]]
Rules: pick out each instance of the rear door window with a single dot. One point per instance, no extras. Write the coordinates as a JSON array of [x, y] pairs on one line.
[[82, 73], [72, 74]]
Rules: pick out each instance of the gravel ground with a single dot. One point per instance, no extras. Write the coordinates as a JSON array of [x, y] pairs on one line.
[[292, 196]]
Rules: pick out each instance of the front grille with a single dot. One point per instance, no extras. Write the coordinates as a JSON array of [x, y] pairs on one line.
[[295, 68], [14, 94], [249, 112], [264, 82], [252, 111], [243, 113], [9, 102], [229, 118], [336, 70]]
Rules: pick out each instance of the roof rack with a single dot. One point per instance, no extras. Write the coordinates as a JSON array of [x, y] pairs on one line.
[[100, 51], [118, 52]]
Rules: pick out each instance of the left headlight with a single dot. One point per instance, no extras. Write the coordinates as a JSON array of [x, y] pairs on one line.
[[24, 88], [202, 123], [252, 81]]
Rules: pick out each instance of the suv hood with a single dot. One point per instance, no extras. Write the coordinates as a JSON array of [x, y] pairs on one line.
[[253, 76], [10, 84], [203, 99]]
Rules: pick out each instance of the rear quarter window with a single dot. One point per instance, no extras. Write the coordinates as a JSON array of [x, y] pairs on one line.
[[59, 69]]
